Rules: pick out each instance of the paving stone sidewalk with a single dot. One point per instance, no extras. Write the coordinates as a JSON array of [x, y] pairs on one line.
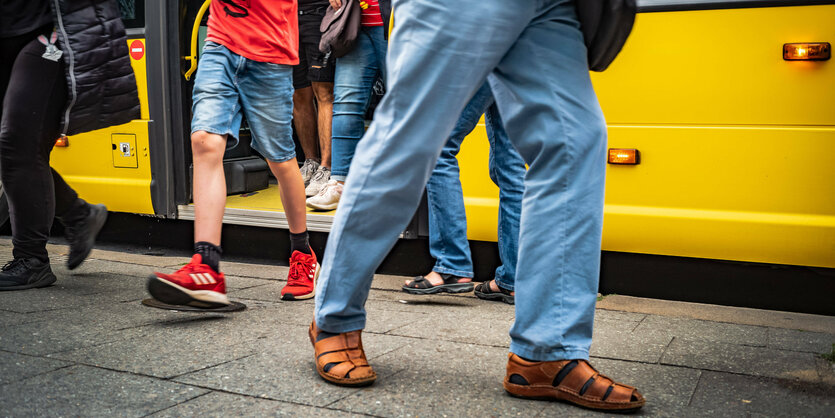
[[87, 347]]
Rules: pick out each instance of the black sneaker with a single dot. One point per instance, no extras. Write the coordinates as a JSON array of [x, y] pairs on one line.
[[25, 273], [82, 235]]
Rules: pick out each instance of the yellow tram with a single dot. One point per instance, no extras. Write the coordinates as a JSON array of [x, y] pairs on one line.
[[733, 135]]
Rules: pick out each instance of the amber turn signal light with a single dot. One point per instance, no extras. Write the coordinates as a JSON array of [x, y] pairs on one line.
[[815, 51], [62, 142], [624, 156]]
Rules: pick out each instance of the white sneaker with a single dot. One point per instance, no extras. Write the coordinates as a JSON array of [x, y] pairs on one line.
[[327, 198], [319, 180], [308, 169]]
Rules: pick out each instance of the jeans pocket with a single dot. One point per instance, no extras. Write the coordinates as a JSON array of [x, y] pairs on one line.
[[209, 45]]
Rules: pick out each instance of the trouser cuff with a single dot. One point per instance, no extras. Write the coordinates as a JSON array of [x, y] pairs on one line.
[[504, 285], [457, 273], [546, 354], [338, 327]]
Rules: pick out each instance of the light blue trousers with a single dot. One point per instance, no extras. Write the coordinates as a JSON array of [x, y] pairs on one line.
[[440, 54]]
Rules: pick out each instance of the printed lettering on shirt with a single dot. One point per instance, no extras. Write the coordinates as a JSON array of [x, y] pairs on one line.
[[236, 8]]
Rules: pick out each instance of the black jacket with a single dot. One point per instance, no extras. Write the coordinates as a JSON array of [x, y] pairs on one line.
[[101, 87], [385, 10]]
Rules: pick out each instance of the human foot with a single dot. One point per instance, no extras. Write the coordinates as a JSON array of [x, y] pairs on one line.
[[340, 359], [574, 381], [435, 282], [490, 290]]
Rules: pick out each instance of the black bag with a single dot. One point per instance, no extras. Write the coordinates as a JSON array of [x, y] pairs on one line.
[[340, 29], [605, 24]]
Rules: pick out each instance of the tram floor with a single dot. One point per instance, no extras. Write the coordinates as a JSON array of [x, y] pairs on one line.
[[268, 199]]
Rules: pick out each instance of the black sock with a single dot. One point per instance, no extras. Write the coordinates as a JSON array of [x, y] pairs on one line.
[[210, 254], [299, 242]]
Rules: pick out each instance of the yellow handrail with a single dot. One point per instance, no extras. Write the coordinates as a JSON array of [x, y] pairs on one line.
[[192, 59]]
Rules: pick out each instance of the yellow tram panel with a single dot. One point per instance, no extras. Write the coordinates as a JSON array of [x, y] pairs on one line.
[[98, 167], [733, 139]]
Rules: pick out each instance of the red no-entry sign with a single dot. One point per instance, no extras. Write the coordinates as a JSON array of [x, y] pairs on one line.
[[137, 50]]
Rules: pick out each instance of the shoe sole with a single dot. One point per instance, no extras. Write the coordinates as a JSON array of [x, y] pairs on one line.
[[314, 206], [552, 394], [306, 193], [346, 383], [173, 294], [47, 278], [493, 297], [98, 223], [309, 295], [448, 288]]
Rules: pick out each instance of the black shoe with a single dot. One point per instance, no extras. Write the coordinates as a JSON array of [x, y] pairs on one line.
[[25, 273], [82, 235]]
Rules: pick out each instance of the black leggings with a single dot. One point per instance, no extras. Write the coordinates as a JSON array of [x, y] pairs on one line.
[[34, 94]]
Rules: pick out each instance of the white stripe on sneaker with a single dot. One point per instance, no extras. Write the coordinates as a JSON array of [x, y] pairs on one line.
[[209, 278], [197, 278]]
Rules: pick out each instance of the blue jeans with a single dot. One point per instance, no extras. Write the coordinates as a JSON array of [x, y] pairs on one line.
[[229, 86], [356, 72], [536, 61], [447, 221]]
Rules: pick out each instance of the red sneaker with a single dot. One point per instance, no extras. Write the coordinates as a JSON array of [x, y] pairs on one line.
[[196, 284], [301, 281]]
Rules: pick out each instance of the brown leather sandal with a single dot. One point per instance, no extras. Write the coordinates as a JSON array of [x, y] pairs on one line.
[[574, 381], [340, 359]]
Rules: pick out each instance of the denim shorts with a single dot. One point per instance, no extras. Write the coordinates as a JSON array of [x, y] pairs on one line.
[[229, 87]]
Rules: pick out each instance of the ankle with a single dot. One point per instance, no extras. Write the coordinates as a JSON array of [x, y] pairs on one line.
[[209, 253], [77, 212], [300, 242]]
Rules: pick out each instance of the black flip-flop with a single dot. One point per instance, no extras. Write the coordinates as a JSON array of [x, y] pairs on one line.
[[484, 291], [421, 286]]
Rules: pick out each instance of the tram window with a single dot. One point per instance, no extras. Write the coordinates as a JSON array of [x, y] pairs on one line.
[[133, 13]]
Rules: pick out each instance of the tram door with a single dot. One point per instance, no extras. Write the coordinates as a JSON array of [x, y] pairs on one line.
[[253, 196]]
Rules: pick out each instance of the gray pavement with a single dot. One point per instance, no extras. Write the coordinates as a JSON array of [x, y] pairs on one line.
[[86, 347]]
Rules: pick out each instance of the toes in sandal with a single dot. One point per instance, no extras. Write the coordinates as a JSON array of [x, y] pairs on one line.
[[422, 286], [574, 381], [484, 291], [341, 359]]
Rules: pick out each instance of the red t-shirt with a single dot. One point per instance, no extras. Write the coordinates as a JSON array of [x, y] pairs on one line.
[[371, 15], [261, 30]]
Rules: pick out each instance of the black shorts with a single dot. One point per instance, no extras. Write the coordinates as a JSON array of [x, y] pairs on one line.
[[312, 67]]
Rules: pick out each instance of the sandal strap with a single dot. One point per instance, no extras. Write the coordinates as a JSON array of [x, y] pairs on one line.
[[450, 278], [344, 341], [420, 282], [484, 287]]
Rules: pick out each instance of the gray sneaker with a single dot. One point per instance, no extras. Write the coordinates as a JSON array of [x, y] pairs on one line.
[[319, 180], [308, 169]]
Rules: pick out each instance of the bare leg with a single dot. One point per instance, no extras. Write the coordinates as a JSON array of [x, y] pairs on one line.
[[291, 186], [304, 119], [209, 185], [324, 101]]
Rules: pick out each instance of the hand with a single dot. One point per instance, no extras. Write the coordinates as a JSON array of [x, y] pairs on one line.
[[336, 4]]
